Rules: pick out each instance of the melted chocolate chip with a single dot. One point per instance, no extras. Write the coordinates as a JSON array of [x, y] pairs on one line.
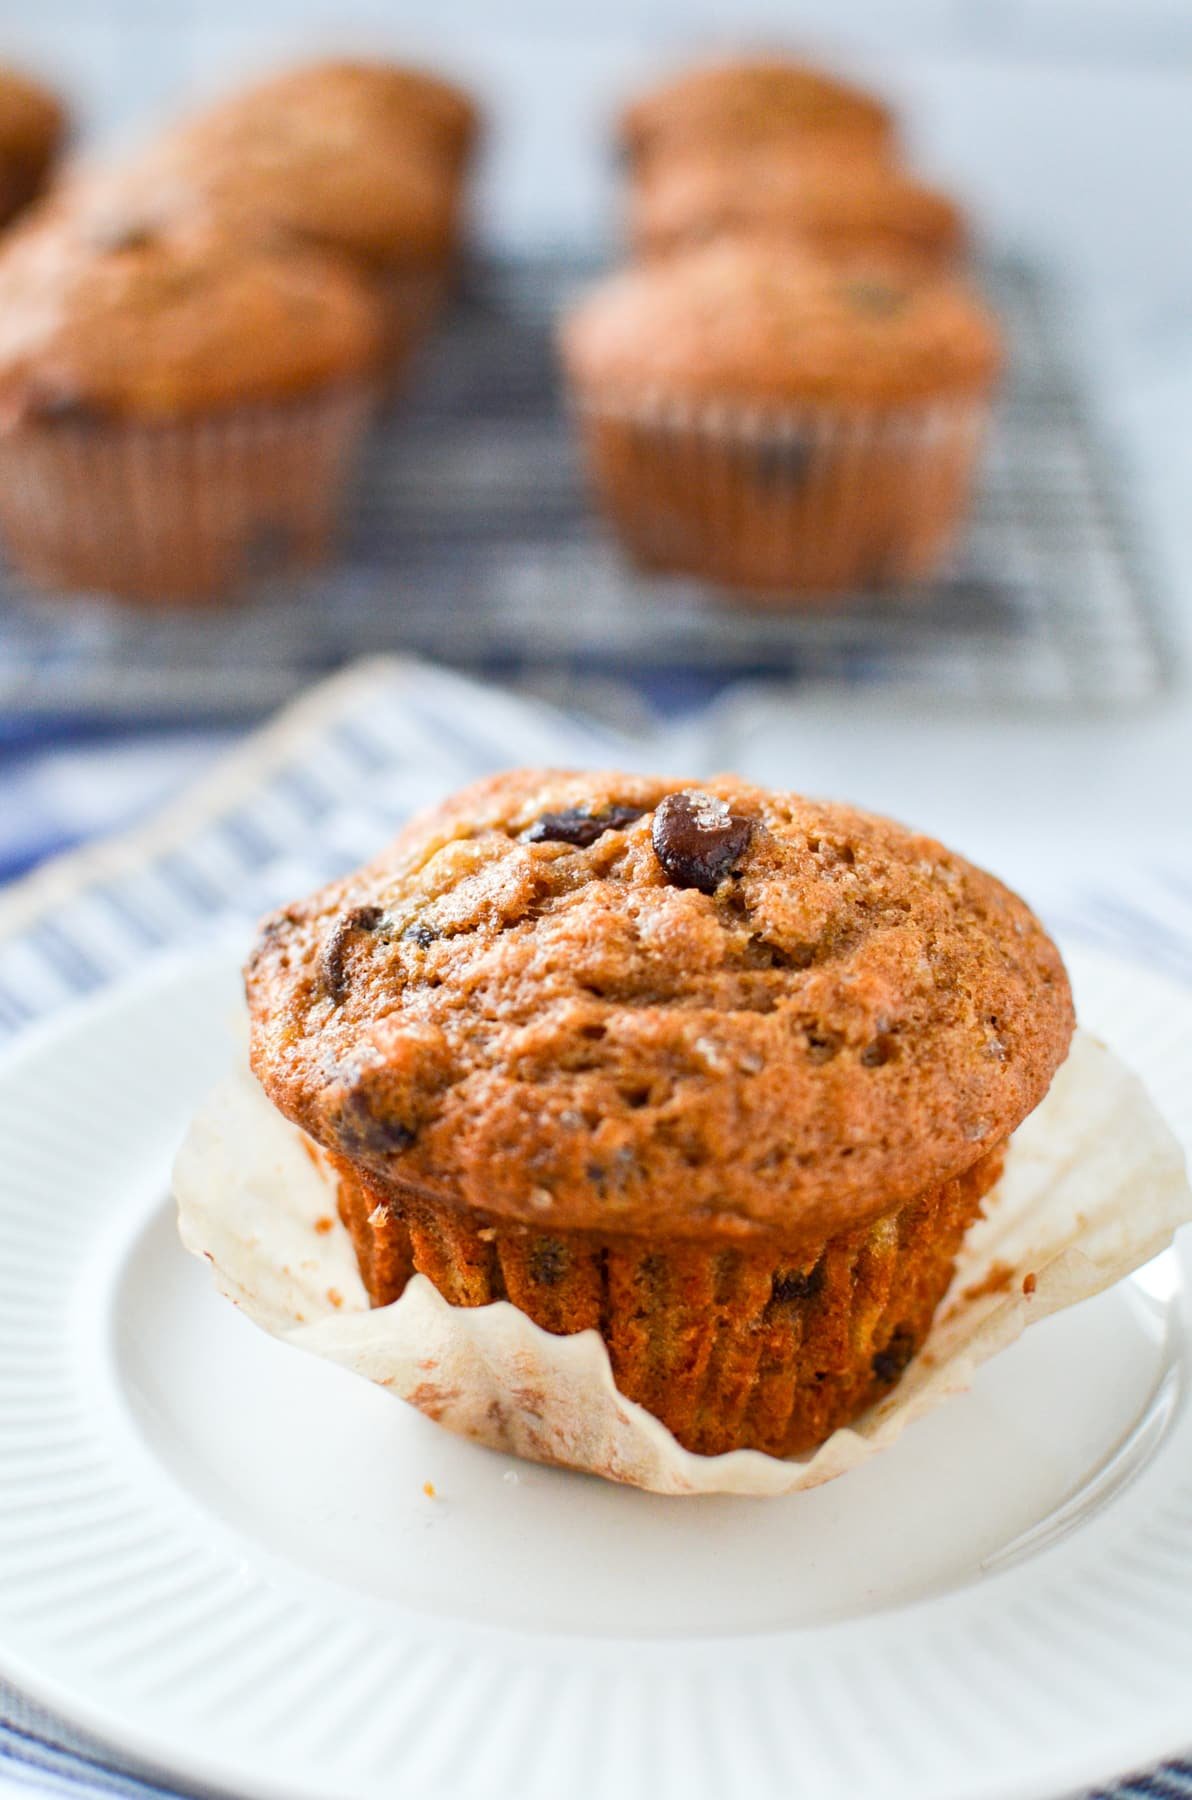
[[331, 961], [889, 1363], [57, 407], [548, 1262], [579, 827], [697, 839], [362, 1132], [797, 1284], [783, 462], [419, 934]]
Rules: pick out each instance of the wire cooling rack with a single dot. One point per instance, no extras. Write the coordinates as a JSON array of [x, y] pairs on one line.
[[470, 542]]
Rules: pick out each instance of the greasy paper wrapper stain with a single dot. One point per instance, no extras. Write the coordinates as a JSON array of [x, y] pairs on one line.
[[1094, 1186]]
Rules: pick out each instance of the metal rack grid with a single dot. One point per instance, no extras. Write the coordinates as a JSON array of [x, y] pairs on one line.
[[470, 542]]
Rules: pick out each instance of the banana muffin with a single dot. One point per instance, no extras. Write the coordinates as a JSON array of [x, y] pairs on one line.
[[32, 129], [178, 406], [726, 106], [361, 159], [720, 1073], [753, 415], [844, 207], [436, 116]]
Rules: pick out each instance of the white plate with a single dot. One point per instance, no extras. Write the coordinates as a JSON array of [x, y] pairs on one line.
[[218, 1553]]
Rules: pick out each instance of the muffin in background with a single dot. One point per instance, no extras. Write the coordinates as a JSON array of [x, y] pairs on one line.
[[846, 207], [438, 118], [178, 406], [754, 416], [718, 1072], [32, 132], [325, 181], [734, 104]]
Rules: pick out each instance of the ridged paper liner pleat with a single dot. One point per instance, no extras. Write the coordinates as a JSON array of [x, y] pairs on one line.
[[188, 509], [805, 501], [1094, 1186]]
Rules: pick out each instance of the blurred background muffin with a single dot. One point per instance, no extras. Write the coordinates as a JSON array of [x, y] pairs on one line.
[[842, 205], [436, 117], [32, 132], [367, 159], [729, 105], [755, 416], [178, 405]]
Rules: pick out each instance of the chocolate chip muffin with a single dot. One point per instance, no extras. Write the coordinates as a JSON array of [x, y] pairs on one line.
[[32, 129], [847, 208], [438, 118], [759, 417], [720, 1073], [366, 160], [178, 405], [729, 105]]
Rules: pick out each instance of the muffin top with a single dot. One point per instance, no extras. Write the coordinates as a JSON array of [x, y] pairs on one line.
[[620, 1004], [432, 113], [759, 321], [152, 324], [330, 178], [751, 100], [835, 203], [32, 122]]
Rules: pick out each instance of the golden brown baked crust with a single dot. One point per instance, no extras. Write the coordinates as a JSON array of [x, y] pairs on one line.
[[151, 324], [433, 114], [843, 206], [32, 127], [751, 100], [608, 1003], [763, 322], [333, 178]]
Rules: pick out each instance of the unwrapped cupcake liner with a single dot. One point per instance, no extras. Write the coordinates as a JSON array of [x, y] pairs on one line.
[[186, 510], [1094, 1186], [806, 502]]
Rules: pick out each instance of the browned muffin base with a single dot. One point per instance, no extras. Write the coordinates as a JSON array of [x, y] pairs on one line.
[[730, 1349]]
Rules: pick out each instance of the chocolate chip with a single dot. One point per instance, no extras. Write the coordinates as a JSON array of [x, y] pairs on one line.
[[797, 1284], [783, 462], [889, 1363], [419, 934], [548, 1262], [331, 961], [581, 827], [57, 407], [278, 922], [697, 839], [363, 1131]]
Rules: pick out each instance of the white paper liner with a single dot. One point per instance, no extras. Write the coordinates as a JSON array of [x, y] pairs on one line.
[[787, 502], [1094, 1186], [188, 510]]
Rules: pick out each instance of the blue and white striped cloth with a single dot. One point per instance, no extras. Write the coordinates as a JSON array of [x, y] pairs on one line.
[[301, 801]]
